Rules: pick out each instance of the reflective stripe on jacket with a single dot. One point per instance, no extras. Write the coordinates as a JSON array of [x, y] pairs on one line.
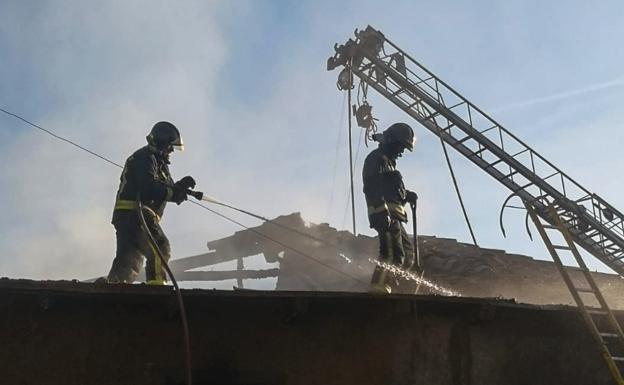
[[144, 173]]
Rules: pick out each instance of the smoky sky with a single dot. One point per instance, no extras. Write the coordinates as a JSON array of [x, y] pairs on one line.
[[246, 84]]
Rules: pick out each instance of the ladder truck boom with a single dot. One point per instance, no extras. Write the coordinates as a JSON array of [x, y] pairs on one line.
[[593, 223]]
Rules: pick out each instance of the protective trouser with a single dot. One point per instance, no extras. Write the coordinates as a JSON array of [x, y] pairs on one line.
[[133, 244], [395, 248]]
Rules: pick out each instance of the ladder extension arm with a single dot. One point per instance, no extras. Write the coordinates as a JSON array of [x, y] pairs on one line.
[[594, 224]]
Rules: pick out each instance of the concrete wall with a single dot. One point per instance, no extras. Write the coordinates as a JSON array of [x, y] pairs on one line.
[[70, 333]]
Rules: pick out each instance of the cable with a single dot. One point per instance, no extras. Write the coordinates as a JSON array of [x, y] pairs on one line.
[[461, 201], [359, 146], [264, 219], [389, 267], [351, 153], [278, 242], [61, 138], [331, 196], [357, 154]]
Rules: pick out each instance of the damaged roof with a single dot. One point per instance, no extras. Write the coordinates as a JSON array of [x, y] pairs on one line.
[[318, 257]]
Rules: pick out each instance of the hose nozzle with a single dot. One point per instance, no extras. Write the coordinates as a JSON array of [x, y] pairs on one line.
[[195, 194]]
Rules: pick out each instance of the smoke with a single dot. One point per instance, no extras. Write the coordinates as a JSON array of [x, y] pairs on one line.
[[101, 74], [246, 85]]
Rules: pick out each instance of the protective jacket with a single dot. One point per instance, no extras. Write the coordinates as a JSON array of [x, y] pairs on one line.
[[145, 173], [383, 186]]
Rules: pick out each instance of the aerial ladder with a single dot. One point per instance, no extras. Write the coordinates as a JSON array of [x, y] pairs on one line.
[[554, 201]]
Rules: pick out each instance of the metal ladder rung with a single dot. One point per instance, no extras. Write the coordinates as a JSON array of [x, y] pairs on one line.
[[551, 227], [510, 175], [592, 234], [597, 311], [462, 140], [584, 290], [559, 247], [610, 335], [413, 104], [490, 165], [478, 152], [620, 359]]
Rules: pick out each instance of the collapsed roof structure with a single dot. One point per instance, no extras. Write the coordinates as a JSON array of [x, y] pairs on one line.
[[317, 257]]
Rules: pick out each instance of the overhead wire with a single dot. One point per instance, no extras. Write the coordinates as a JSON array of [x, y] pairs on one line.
[[393, 269], [333, 188], [282, 243], [357, 152], [266, 220], [351, 148], [61, 138]]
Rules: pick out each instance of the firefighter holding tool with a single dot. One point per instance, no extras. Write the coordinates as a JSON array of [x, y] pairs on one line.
[[386, 198]]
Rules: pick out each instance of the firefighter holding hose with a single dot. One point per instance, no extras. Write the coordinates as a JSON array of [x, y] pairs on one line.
[[386, 197], [146, 177]]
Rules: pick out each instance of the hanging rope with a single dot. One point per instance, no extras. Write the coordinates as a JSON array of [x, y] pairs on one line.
[[351, 149], [461, 201], [333, 188]]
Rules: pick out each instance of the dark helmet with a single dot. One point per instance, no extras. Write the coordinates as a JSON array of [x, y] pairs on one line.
[[165, 134], [399, 133]]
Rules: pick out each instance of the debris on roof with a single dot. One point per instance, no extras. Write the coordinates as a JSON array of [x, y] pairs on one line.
[[318, 257]]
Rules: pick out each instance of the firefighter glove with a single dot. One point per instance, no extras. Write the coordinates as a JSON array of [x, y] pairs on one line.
[[411, 197], [186, 183], [380, 221], [179, 195]]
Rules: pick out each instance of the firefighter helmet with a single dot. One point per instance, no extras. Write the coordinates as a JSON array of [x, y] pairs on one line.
[[400, 133], [165, 134]]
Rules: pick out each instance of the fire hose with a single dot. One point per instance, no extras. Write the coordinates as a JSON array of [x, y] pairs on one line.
[[184, 320]]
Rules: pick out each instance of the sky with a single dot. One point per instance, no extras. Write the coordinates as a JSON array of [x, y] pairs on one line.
[[263, 123]]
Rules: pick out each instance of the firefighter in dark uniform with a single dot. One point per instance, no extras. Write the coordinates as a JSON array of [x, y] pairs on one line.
[[146, 177], [386, 197]]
